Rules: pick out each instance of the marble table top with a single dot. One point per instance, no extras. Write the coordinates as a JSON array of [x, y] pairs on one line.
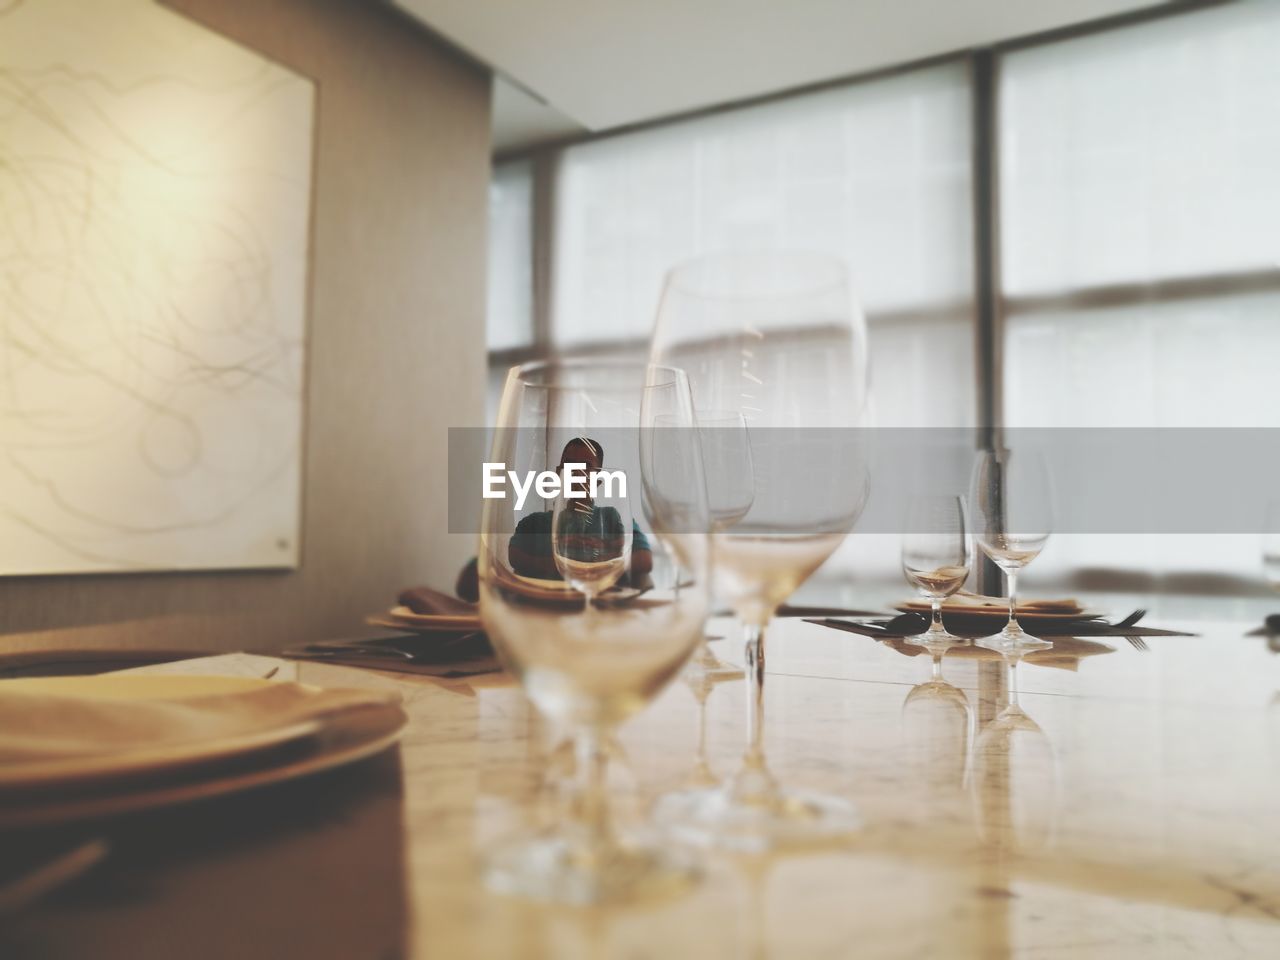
[[1137, 816]]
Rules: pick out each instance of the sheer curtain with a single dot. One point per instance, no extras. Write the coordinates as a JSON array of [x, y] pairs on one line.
[[509, 318], [877, 172], [1141, 250], [510, 306]]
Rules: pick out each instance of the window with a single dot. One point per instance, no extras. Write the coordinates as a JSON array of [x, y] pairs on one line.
[[878, 172], [1141, 251], [1135, 176], [1141, 223], [510, 314]]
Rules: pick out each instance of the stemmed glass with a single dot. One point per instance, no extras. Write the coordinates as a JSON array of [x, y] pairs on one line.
[[1271, 545], [1013, 514], [777, 339], [591, 542], [587, 653], [936, 554], [726, 461]]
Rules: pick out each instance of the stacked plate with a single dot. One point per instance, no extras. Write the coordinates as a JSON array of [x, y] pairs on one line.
[[79, 748]]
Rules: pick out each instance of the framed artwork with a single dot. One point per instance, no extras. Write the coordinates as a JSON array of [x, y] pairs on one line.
[[155, 188]]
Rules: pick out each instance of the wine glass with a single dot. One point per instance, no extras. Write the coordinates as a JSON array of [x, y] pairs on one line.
[[777, 339], [936, 553], [588, 651], [591, 542], [1013, 514], [1271, 545], [726, 461]]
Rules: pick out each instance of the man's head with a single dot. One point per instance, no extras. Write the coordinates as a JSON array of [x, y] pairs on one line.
[[583, 450]]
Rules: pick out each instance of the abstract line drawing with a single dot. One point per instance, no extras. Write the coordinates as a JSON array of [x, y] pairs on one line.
[[154, 206]]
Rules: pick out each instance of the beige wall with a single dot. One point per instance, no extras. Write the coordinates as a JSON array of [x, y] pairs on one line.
[[395, 351]]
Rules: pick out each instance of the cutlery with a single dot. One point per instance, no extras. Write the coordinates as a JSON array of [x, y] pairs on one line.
[[44, 878], [1131, 619], [1136, 642]]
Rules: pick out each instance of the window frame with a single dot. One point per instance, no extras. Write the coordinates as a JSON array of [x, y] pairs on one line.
[[991, 305]]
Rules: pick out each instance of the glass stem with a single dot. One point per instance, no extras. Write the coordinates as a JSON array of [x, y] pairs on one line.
[[590, 811], [1013, 683], [937, 667], [702, 768], [1012, 576], [936, 627], [754, 661], [753, 783]]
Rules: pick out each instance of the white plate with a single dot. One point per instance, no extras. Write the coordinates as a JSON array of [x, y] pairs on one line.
[[63, 772]]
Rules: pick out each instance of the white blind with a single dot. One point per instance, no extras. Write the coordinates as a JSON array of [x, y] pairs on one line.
[[510, 309], [877, 172], [1144, 153], [1144, 161]]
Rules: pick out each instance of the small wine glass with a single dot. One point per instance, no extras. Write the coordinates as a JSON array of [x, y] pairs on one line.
[[591, 542], [1271, 545], [1013, 514], [936, 554]]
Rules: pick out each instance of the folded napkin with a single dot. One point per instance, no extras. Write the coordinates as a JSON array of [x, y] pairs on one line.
[[431, 602], [965, 601], [70, 717], [913, 624]]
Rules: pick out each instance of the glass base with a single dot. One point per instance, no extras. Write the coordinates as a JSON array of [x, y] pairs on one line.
[[786, 820], [1013, 639], [706, 667], [936, 641], [550, 869]]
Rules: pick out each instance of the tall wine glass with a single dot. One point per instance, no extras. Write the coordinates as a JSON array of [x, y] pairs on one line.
[[588, 652], [778, 339], [936, 554], [726, 460], [1013, 514]]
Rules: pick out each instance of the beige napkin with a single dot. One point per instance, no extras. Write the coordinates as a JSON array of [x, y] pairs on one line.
[[964, 601], [61, 718], [430, 602]]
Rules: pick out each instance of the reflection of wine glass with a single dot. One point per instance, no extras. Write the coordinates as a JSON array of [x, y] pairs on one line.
[[1013, 514], [935, 556], [937, 725], [590, 669], [1014, 777], [726, 459], [776, 339], [1271, 545], [701, 685], [591, 542]]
